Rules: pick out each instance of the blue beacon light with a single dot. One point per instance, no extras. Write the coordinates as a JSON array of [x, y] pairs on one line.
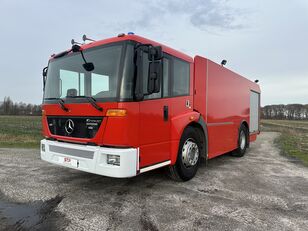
[[130, 33]]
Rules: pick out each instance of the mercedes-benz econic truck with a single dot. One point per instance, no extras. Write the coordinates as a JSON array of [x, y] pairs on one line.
[[125, 105]]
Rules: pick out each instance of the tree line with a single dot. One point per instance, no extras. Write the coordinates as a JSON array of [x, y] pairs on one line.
[[280, 111], [8, 107], [285, 112]]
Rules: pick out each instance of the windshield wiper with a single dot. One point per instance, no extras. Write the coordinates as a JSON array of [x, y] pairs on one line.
[[61, 102], [90, 99]]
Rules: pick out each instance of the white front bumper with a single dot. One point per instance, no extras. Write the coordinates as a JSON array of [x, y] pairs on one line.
[[91, 159]]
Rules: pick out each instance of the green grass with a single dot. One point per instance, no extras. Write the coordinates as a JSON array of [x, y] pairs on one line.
[[20, 131], [300, 124], [293, 138]]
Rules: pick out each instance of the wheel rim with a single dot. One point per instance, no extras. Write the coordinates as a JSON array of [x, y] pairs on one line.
[[242, 140], [190, 153]]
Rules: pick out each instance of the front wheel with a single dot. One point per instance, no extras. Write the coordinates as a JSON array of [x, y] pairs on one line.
[[189, 155]]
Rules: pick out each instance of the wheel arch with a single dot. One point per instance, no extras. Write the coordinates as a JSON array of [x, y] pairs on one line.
[[244, 122], [201, 128], [179, 124]]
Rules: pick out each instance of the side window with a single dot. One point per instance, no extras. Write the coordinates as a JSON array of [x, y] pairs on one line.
[[180, 81], [145, 67]]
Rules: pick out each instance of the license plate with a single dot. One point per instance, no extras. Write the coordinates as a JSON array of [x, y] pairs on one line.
[[68, 161]]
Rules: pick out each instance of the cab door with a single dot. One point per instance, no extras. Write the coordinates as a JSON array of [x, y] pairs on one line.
[[154, 123]]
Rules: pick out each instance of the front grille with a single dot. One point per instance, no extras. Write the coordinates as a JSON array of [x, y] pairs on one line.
[[79, 127], [72, 152]]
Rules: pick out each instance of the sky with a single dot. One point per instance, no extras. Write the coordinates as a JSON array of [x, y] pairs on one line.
[[264, 40]]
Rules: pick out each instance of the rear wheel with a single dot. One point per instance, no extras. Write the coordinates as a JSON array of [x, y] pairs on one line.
[[189, 155], [242, 142]]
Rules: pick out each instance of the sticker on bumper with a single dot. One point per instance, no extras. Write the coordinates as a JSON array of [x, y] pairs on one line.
[[68, 161]]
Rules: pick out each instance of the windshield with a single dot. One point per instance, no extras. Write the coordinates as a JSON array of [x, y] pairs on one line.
[[67, 78]]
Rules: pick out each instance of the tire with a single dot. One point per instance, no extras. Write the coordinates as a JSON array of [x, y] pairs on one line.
[[243, 142], [189, 155]]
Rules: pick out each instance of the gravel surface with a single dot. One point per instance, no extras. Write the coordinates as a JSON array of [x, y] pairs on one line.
[[261, 191]]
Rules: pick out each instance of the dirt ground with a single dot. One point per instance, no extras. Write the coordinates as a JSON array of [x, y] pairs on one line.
[[261, 191]]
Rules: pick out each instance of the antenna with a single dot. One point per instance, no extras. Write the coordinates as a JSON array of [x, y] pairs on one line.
[[85, 38], [73, 42]]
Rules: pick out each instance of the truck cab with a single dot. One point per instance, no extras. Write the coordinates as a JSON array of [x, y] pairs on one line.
[[129, 129]]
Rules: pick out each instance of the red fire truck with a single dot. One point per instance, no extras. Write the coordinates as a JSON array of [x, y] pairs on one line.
[[126, 105]]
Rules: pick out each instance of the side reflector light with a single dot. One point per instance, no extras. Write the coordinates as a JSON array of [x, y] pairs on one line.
[[113, 160], [116, 112]]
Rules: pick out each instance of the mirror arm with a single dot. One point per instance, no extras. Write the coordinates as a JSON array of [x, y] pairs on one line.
[[81, 52]]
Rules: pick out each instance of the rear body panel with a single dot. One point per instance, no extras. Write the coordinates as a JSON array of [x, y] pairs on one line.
[[223, 99]]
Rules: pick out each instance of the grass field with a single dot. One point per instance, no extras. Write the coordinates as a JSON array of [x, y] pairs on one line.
[[20, 131], [293, 139]]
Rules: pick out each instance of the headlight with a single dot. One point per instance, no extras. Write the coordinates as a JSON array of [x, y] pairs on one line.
[[113, 160]]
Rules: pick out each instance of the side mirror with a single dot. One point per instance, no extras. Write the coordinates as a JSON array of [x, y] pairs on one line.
[[154, 76], [155, 69], [88, 66], [45, 69]]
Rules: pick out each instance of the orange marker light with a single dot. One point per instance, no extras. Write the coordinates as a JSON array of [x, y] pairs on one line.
[[116, 112]]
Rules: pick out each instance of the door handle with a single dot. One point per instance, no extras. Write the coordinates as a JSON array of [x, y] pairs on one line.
[[166, 113]]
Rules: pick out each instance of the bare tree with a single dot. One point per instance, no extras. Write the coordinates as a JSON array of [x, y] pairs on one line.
[[281, 111], [8, 107]]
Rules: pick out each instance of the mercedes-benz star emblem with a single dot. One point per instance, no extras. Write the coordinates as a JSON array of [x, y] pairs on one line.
[[69, 126]]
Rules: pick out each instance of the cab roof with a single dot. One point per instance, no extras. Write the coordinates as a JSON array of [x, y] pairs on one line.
[[139, 39]]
